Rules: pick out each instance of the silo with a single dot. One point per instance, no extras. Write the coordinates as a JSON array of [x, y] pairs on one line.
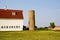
[[31, 18]]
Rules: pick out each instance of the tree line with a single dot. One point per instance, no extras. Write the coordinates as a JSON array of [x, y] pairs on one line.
[[52, 25]]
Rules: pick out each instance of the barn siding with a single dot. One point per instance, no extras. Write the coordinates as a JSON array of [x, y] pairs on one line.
[[11, 22]]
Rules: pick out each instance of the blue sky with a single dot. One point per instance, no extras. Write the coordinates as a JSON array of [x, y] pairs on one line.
[[45, 10]]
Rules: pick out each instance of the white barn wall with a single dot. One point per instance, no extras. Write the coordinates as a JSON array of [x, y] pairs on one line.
[[11, 22]]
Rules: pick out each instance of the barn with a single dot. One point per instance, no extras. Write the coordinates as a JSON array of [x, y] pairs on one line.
[[11, 20]]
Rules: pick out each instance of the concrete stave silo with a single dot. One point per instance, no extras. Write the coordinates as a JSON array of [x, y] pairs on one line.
[[31, 19]]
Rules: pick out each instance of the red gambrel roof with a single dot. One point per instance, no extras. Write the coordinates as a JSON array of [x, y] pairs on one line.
[[7, 13]]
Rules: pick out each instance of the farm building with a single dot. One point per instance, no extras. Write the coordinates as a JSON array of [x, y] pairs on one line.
[[56, 28], [11, 20]]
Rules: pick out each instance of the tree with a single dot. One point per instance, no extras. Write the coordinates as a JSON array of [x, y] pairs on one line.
[[45, 27], [52, 25], [35, 27]]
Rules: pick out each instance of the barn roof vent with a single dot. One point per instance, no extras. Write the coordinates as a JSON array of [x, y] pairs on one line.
[[13, 13]]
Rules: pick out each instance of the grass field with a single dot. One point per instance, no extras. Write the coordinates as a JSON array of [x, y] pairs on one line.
[[30, 35]]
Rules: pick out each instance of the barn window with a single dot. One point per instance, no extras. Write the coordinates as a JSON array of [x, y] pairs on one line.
[[16, 26], [1, 26], [6, 26], [14, 13], [19, 26], [9, 26]]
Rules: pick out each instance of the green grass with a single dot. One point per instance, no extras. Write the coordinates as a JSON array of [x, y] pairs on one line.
[[30, 35]]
